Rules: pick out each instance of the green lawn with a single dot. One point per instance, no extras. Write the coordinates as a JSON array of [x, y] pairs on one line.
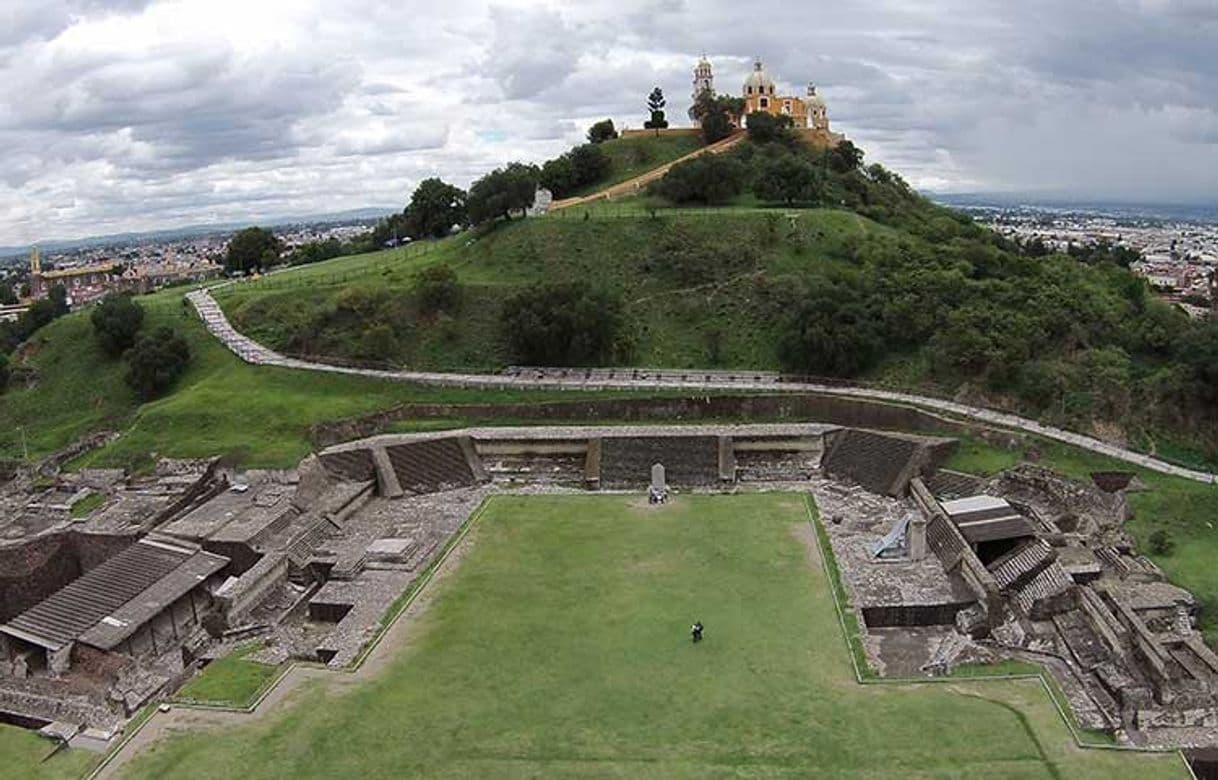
[[22, 753], [559, 648], [231, 681]]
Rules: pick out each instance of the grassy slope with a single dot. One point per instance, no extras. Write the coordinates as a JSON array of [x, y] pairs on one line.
[[583, 669], [22, 753], [221, 406], [674, 310], [630, 157]]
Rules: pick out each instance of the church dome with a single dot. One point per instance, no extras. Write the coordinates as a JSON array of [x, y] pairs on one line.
[[813, 98], [758, 82]]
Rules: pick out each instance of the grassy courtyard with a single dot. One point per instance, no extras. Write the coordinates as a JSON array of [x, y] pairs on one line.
[[558, 648], [23, 754]]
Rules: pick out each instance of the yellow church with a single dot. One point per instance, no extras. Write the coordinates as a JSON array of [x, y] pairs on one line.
[[808, 113]]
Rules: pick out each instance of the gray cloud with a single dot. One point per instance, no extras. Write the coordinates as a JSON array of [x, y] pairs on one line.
[[130, 115]]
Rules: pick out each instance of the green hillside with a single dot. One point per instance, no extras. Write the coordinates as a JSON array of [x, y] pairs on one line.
[[259, 416], [883, 287], [630, 157]]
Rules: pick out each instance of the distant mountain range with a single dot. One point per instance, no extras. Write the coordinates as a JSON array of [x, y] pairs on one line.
[[190, 231]]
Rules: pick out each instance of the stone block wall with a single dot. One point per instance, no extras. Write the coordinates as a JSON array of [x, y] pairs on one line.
[[688, 460]]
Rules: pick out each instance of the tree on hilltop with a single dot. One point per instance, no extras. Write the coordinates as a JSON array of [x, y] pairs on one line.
[[116, 322], [655, 107], [253, 248], [434, 208], [602, 131], [764, 127], [716, 114], [502, 191], [7, 296]]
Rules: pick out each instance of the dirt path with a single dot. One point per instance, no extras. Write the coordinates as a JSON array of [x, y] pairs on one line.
[[299, 679], [636, 183]]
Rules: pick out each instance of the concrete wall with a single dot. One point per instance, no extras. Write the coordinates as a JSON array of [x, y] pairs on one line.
[[850, 412]]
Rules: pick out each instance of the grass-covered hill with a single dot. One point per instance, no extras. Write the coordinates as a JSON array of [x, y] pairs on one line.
[[67, 388], [873, 283]]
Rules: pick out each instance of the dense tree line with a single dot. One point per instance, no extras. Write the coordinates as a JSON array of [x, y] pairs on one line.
[[584, 165], [564, 324]]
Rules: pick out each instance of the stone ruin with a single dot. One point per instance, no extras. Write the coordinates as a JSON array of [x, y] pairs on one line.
[[1033, 566], [940, 567]]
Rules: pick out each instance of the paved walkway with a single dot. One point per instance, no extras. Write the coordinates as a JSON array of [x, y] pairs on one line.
[[541, 379]]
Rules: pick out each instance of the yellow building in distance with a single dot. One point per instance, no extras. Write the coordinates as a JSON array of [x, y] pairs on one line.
[[808, 113]]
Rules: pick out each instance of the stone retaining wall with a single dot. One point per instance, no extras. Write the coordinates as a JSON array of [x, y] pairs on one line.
[[850, 412]]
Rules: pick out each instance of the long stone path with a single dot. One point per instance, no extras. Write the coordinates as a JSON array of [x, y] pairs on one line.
[[558, 379]]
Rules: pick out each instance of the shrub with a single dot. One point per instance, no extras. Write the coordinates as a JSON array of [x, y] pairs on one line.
[[155, 362], [764, 128], [563, 324], [116, 322], [788, 179], [4, 372], [710, 179], [831, 332], [602, 131], [437, 290], [1160, 542]]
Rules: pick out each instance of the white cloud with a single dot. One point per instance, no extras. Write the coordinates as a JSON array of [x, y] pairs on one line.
[[150, 113]]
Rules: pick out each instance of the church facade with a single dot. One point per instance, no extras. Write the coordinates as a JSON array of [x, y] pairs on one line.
[[760, 93]]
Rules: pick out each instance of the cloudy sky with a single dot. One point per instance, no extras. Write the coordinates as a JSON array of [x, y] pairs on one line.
[[141, 114]]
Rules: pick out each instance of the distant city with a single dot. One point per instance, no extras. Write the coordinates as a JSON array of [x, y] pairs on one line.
[[89, 269], [1177, 245]]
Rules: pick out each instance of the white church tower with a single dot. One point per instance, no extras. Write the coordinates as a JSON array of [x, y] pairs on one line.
[[703, 80]]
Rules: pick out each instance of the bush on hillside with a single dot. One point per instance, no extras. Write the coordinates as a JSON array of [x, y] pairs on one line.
[[563, 324], [155, 362], [788, 179], [711, 179], [830, 332], [316, 252], [602, 131], [1160, 542], [437, 290], [715, 113], [252, 249], [585, 164], [845, 157], [764, 127], [4, 372], [502, 191], [435, 207], [116, 322]]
